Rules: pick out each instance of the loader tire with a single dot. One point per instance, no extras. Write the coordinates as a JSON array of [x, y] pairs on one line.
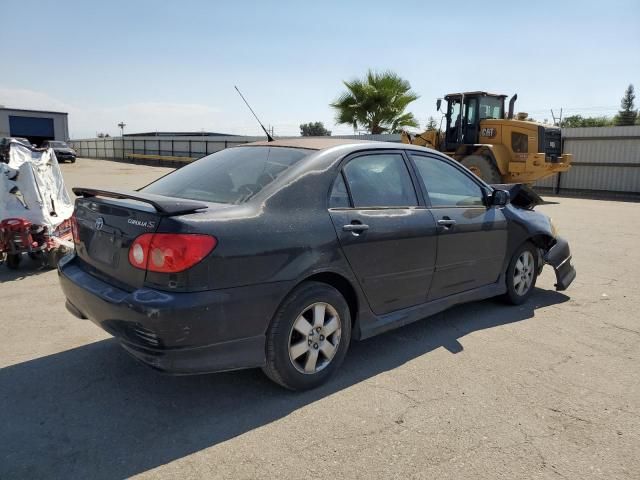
[[483, 167]]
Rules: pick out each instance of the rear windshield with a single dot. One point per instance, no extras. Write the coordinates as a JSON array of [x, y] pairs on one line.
[[58, 144], [233, 175]]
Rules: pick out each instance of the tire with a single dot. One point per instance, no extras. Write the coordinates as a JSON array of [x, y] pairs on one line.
[[311, 304], [35, 256], [13, 261], [522, 274], [483, 167]]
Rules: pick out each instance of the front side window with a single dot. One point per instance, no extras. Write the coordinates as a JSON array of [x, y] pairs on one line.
[[233, 175], [519, 142], [380, 181], [491, 107], [446, 185]]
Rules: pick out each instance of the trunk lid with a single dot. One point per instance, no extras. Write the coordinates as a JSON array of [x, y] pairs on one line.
[[109, 221]]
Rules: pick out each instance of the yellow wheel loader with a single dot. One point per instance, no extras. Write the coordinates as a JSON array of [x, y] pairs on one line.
[[495, 146]]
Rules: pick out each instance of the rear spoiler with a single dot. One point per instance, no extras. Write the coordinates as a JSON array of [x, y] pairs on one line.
[[521, 194], [164, 205]]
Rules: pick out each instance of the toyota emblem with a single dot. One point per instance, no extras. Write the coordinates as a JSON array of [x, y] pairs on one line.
[[99, 223]]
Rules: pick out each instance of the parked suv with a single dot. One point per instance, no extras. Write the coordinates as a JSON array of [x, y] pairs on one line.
[[63, 151]]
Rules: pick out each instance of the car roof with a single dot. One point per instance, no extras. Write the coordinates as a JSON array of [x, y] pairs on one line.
[[310, 143]]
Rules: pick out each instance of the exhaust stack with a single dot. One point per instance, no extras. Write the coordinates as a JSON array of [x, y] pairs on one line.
[[511, 104]]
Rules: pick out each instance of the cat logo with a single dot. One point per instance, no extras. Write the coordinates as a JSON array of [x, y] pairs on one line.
[[488, 132]]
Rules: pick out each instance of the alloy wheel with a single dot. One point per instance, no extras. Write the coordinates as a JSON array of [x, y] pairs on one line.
[[314, 338], [523, 273]]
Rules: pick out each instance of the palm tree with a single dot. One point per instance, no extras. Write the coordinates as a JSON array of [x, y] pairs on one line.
[[376, 103]]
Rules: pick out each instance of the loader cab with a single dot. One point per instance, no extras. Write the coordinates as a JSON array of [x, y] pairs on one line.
[[464, 113]]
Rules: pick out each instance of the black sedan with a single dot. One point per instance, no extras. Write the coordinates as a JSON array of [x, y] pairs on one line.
[[64, 153], [278, 254]]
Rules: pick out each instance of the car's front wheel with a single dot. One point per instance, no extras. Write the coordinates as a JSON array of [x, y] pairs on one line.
[[522, 274], [308, 337]]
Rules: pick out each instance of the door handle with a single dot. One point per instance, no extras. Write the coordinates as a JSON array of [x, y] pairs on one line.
[[446, 223], [355, 227]]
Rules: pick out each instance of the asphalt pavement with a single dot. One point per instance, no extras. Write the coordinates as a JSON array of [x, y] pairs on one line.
[[549, 389]]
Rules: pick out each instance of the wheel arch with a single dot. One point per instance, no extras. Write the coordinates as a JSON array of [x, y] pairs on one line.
[[498, 154], [542, 241], [340, 283]]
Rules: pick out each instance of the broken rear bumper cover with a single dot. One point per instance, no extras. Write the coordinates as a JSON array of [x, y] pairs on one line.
[[559, 257]]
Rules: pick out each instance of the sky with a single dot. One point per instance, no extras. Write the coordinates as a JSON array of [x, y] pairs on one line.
[[171, 66]]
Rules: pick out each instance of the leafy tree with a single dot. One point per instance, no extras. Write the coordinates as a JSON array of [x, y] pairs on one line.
[[431, 124], [376, 103], [579, 121], [314, 129], [628, 115]]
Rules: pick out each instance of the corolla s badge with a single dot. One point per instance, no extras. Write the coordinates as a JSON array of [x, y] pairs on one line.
[[141, 223], [99, 223]]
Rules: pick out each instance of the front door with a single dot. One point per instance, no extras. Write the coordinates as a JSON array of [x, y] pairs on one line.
[[470, 123], [472, 238], [387, 236]]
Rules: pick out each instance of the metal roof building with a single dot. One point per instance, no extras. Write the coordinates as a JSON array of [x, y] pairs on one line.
[[34, 125]]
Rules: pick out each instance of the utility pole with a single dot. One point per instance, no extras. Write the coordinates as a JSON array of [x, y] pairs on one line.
[[557, 122], [122, 125]]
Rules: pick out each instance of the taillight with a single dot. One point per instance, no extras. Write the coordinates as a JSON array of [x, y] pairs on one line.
[[74, 229], [169, 252]]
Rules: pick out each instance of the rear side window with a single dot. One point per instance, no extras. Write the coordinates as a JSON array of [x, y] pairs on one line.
[[233, 175], [339, 195], [380, 181], [446, 185]]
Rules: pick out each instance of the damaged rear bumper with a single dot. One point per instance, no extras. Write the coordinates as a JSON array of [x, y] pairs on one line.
[[559, 257]]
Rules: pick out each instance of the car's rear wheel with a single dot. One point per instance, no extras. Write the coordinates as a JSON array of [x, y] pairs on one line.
[[308, 337], [522, 274]]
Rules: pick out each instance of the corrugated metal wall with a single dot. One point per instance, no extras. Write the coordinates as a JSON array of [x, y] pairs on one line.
[[178, 146], [606, 159], [175, 146]]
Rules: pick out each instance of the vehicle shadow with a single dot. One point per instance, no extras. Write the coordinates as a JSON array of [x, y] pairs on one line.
[[27, 268], [93, 412]]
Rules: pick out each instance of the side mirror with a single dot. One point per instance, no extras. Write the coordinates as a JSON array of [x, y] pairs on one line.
[[438, 104], [500, 198]]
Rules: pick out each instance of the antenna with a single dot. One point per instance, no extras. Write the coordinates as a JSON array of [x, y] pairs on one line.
[[269, 137]]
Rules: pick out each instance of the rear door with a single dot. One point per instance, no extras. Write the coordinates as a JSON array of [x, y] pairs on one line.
[[106, 229], [472, 238], [386, 233]]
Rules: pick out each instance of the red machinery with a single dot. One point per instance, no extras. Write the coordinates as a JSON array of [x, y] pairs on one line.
[[18, 236]]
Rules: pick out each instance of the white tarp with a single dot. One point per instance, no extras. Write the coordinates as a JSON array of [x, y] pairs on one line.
[[31, 187]]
